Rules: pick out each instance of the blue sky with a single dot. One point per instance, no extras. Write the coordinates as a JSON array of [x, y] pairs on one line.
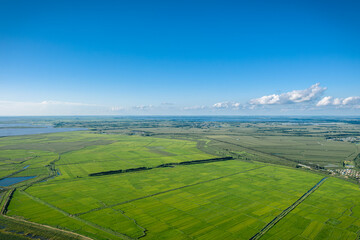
[[179, 57]]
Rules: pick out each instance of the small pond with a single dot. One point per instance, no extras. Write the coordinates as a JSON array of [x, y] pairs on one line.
[[12, 180]]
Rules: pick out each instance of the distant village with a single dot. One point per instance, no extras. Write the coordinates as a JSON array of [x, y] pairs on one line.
[[346, 139], [348, 172]]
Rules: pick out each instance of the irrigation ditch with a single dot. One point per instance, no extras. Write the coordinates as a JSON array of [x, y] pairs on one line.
[[272, 223]]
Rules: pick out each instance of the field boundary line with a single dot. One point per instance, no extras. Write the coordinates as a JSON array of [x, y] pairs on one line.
[[6, 200], [14, 173], [49, 227], [144, 230], [3, 214], [166, 191], [118, 234], [272, 223]]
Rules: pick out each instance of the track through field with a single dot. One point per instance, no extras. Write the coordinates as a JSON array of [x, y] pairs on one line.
[[272, 223]]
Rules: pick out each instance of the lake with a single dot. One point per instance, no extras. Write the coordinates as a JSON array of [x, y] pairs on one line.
[[16, 129]]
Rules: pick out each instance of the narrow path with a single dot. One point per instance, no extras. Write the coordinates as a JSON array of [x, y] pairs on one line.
[[166, 191], [286, 211]]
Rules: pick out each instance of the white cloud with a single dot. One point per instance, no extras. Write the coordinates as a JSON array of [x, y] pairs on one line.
[[341, 102], [295, 96], [221, 105], [296, 101], [351, 100], [271, 99], [226, 105], [325, 101]]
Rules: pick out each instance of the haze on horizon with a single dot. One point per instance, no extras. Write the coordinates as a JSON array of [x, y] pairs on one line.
[[179, 58]]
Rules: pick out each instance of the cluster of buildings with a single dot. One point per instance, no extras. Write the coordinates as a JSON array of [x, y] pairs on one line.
[[347, 172], [346, 139]]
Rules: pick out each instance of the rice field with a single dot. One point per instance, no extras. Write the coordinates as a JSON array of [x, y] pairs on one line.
[[232, 199], [332, 212]]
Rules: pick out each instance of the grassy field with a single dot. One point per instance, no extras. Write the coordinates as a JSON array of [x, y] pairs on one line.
[[231, 199]]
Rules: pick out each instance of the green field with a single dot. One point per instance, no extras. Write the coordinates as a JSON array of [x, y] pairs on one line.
[[307, 150], [332, 212], [239, 196], [127, 152], [231, 199]]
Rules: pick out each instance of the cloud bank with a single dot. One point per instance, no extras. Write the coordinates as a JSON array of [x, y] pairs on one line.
[[296, 96], [304, 101], [226, 105], [341, 102], [295, 101]]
